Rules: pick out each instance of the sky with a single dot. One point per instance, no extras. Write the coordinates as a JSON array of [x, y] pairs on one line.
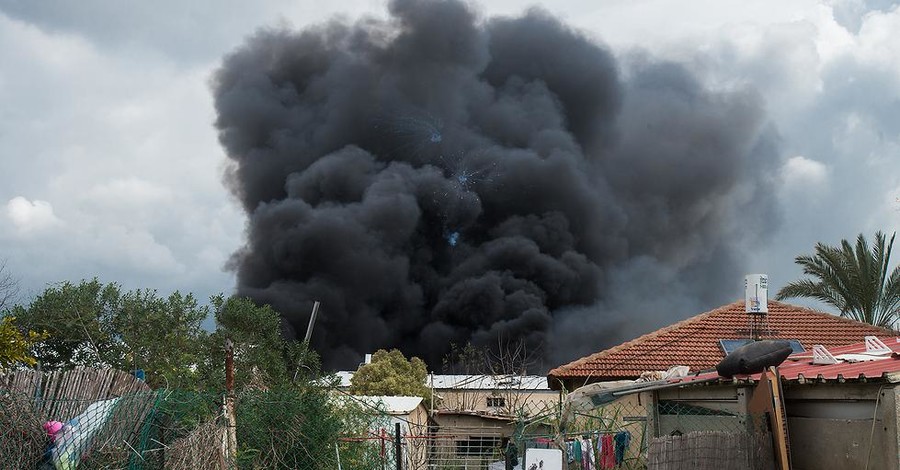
[[110, 165]]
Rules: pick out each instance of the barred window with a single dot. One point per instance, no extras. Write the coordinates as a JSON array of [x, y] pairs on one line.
[[496, 402], [478, 445]]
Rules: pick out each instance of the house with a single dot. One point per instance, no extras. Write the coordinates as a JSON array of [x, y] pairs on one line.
[[499, 395], [473, 416], [477, 414], [842, 405], [413, 420], [700, 342]]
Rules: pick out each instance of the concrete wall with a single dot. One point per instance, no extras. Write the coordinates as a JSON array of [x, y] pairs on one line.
[[831, 426]]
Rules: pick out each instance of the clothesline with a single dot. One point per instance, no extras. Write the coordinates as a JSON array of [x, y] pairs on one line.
[[603, 451]]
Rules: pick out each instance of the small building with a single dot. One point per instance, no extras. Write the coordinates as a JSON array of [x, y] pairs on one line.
[[411, 415], [473, 416], [842, 408], [700, 342], [499, 395]]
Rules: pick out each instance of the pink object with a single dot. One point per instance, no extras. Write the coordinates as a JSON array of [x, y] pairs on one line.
[[52, 427]]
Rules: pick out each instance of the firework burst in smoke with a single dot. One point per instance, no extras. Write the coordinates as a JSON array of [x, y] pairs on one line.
[[438, 178], [468, 176]]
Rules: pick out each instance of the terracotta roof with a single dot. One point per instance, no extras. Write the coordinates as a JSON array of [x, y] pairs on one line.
[[694, 342]]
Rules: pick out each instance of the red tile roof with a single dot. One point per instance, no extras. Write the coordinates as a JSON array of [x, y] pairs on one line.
[[694, 342], [799, 367]]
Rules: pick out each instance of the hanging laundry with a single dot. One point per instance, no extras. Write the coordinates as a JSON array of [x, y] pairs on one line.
[[570, 451], [623, 440], [607, 458], [587, 450], [577, 452]]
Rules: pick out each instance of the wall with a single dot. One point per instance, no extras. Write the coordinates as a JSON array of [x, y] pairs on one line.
[[831, 426], [701, 408], [531, 401]]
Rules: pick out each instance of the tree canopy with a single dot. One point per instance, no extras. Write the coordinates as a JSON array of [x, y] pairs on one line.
[[856, 280], [261, 354], [92, 324], [390, 373]]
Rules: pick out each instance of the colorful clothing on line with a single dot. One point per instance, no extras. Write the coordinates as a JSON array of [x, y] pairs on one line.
[[622, 440]]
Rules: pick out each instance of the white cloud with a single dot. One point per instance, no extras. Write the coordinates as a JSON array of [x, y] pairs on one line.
[[31, 216], [802, 171]]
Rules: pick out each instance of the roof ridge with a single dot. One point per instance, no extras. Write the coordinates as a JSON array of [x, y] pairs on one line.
[[563, 368], [832, 316]]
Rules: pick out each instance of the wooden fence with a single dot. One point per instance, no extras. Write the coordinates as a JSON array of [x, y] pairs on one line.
[[712, 450]]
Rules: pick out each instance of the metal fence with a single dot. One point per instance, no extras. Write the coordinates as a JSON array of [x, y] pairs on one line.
[[312, 429]]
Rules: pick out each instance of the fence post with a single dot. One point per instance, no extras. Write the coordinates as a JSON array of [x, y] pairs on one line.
[[383, 436], [230, 443], [398, 449]]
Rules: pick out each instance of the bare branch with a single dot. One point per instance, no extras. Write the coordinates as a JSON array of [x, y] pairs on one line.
[[9, 287]]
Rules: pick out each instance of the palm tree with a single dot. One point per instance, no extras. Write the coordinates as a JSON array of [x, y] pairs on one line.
[[856, 281]]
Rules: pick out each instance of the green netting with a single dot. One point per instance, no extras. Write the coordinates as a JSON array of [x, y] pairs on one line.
[[67, 434], [291, 428]]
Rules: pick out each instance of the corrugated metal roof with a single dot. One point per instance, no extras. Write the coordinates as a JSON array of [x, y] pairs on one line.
[[472, 382], [344, 376], [799, 367], [392, 405], [488, 382]]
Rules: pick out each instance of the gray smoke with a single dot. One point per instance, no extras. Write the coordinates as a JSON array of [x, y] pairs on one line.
[[437, 178]]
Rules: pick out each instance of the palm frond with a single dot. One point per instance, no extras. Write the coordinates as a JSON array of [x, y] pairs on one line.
[[854, 279]]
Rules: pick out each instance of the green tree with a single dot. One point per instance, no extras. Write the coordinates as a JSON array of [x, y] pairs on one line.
[[15, 346], [162, 336], [855, 280], [390, 373], [97, 325], [262, 357], [78, 318]]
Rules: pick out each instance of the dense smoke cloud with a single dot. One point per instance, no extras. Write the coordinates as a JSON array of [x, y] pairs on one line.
[[437, 178]]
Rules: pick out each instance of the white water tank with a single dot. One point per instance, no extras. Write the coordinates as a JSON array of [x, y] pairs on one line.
[[756, 293]]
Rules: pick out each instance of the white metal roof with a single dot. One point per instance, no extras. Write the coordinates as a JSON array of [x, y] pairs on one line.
[[488, 382], [393, 405], [472, 382]]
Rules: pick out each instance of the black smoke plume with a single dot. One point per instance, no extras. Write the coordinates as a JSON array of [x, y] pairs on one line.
[[439, 178]]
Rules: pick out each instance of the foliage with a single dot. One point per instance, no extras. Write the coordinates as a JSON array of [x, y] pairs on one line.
[[163, 336], [856, 280], [262, 357], [286, 427], [390, 373], [78, 318], [95, 325], [15, 346]]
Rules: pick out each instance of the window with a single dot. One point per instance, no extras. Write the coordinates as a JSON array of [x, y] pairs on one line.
[[496, 402], [478, 445]]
